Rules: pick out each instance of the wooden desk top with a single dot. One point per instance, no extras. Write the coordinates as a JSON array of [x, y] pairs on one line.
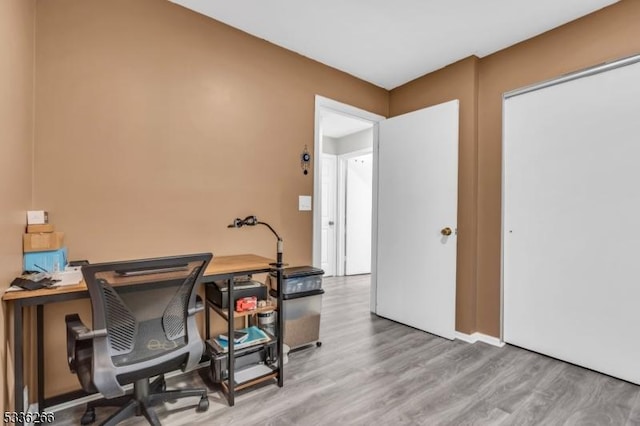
[[218, 266], [237, 264]]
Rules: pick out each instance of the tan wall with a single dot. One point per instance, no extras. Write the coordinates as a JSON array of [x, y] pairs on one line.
[[17, 35], [156, 126], [609, 34], [457, 81]]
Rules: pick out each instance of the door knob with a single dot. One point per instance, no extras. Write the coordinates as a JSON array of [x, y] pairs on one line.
[[331, 223], [446, 231]]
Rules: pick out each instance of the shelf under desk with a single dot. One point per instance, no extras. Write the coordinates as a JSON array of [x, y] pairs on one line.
[[250, 382], [229, 314], [224, 314]]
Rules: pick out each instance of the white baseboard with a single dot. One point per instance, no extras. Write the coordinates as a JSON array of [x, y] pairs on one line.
[[479, 337], [469, 338], [79, 401], [494, 341], [33, 408]]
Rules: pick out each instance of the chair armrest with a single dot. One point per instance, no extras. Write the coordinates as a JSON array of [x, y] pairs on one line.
[[78, 337], [199, 306], [75, 328], [78, 331]]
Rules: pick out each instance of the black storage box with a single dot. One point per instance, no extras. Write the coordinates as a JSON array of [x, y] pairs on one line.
[[297, 279], [247, 357], [217, 293]]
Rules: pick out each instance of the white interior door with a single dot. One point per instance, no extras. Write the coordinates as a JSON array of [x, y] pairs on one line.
[[417, 205], [358, 214], [329, 186]]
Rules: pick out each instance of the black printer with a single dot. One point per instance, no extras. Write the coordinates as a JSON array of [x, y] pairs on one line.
[[218, 294]]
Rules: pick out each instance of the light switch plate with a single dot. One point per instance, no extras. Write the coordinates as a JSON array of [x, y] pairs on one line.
[[304, 203]]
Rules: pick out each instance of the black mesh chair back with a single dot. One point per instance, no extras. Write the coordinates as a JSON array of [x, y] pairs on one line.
[[144, 318]]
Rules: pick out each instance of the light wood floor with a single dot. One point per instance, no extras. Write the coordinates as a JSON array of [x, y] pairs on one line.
[[372, 371]]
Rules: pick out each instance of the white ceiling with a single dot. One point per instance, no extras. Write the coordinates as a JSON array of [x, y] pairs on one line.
[[389, 43], [337, 125]]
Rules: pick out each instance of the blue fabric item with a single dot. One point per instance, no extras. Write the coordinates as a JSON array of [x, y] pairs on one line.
[[255, 336], [47, 260]]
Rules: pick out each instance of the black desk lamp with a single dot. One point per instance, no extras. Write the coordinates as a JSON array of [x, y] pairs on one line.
[[253, 221]]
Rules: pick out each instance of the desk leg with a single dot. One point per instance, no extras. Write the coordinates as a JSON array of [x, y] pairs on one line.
[[40, 349], [17, 358], [231, 352], [280, 318], [207, 321]]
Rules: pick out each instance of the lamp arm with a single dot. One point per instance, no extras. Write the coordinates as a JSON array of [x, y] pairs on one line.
[[279, 244], [252, 221], [272, 230]]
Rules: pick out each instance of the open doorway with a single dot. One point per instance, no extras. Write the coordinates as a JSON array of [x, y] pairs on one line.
[[347, 178], [358, 183], [344, 195]]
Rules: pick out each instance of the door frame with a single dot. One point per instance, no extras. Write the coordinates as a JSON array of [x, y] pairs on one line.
[[335, 213], [326, 104], [341, 230]]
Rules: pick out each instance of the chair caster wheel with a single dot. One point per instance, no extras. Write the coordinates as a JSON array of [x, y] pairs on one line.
[[203, 405], [88, 417], [318, 344]]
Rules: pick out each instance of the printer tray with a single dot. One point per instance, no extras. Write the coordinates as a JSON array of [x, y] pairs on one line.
[[254, 355]]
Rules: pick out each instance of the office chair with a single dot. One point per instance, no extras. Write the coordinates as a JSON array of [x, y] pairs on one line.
[[143, 326]]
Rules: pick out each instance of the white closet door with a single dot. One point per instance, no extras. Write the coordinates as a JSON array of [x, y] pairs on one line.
[[572, 221]]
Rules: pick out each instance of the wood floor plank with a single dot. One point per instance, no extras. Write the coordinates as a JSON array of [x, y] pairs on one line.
[[511, 385], [441, 402], [578, 396], [370, 370], [634, 415], [610, 402]]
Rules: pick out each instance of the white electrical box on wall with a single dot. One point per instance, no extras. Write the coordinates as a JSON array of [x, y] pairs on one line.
[[304, 203]]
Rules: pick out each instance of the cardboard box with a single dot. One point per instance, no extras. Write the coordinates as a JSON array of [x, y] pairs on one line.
[[42, 242], [37, 217], [37, 229]]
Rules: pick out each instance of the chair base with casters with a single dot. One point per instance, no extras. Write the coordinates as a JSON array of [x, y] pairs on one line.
[[140, 403]]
